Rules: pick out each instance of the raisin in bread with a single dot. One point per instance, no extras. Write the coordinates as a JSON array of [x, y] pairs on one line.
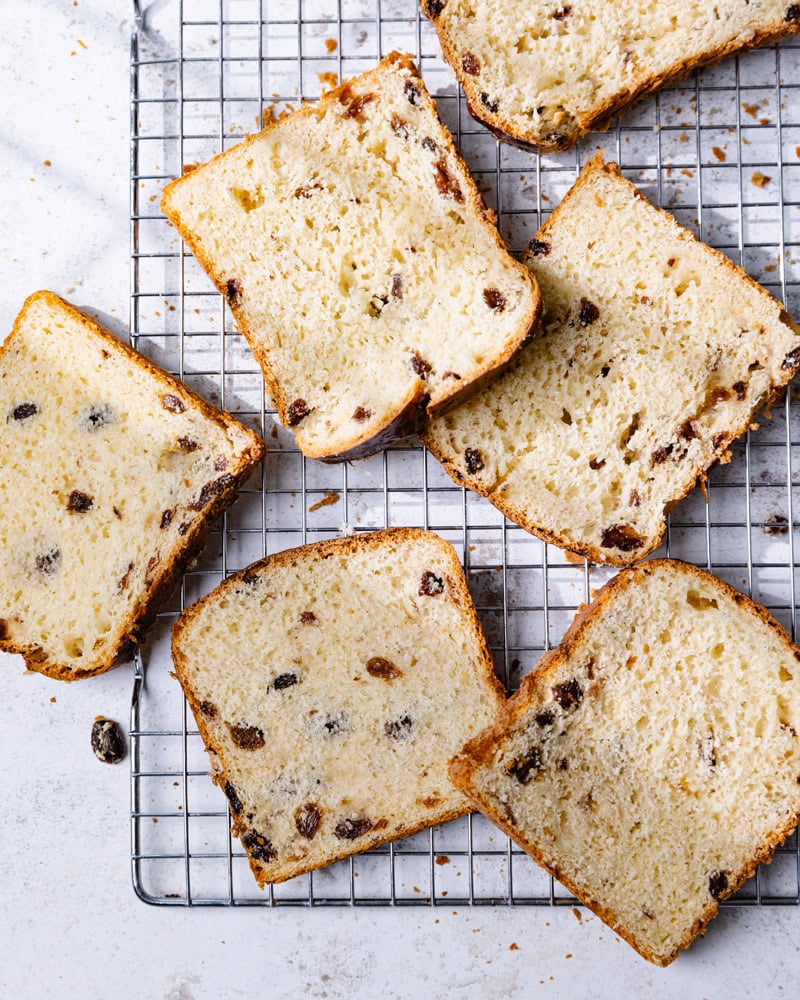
[[543, 73], [359, 262], [652, 761], [331, 684], [111, 473], [654, 353]]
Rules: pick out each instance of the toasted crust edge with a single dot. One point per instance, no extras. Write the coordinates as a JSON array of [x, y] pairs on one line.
[[597, 164], [600, 117], [313, 552], [132, 630], [408, 416], [478, 752]]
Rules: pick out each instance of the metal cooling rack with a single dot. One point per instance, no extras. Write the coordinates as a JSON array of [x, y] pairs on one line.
[[721, 151]]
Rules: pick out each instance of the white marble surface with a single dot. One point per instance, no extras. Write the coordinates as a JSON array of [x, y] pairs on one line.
[[70, 925]]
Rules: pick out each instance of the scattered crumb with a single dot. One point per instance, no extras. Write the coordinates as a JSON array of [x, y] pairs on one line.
[[719, 153], [687, 173], [568, 955], [331, 44], [274, 432], [442, 859], [760, 180], [188, 168], [776, 524], [327, 501], [155, 819], [513, 946], [82, 44], [769, 268], [271, 113], [684, 137], [328, 79], [416, 889], [47, 163], [764, 121], [750, 109], [797, 151], [444, 893], [53, 700], [577, 914]]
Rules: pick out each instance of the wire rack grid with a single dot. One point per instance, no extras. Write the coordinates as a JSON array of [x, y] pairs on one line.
[[721, 151]]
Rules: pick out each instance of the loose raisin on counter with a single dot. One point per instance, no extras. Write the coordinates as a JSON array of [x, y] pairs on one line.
[[246, 737], [430, 585], [108, 743], [307, 819], [350, 828]]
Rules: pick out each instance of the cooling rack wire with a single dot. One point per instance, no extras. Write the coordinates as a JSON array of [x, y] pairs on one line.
[[721, 151]]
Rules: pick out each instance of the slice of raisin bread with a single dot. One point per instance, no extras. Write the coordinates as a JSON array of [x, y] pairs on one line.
[[543, 73], [654, 353], [111, 473], [652, 761], [359, 262], [332, 684]]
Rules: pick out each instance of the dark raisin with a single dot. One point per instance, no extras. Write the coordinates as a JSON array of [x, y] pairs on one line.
[[283, 681], [494, 299], [307, 818], [688, 431], [717, 395], [396, 291], [412, 91], [660, 455], [569, 694], [233, 799], [604, 371], [435, 7], [400, 127], [173, 403], [48, 562], [247, 737], [117, 513], [4, 632], [122, 583], [545, 718], [792, 13], [539, 248], [187, 445], [335, 724], [108, 742], [183, 527], [97, 416], [588, 313], [220, 463], [596, 463], [258, 846], [166, 518], [556, 139], [399, 729], [349, 829], [522, 768], [308, 618], [306, 190], [250, 578], [419, 365], [430, 145], [718, 440], [376, 304], [79, 503], [562, 14], [622, 537], [454, 375], [717, 883], [470, 64], [233, 291], [446, 184], [358, 104], [489, 104], [361, 413], [740, 389], [377, 666], [474, 460], [562, 764], [210, 490], [209, 709], [430, 585], [24, 410], [297, 411], [634, 500], [793, 357]]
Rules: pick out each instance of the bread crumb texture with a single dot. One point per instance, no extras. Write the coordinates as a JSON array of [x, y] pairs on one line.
[[332, 684], [653, 355], [543, 73], [359, 261], [653, 760], [109, 472]]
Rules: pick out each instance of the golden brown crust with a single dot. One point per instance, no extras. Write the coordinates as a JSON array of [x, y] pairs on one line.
[[347, 545], [134, 626], [600, 117], [407, 418], [479, 752], [597, 164]]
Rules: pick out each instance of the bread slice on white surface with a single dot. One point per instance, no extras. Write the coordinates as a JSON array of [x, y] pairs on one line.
[[541, 74], [331, 684], [359, 261], [652, 761], [111, 473], [654, 353]]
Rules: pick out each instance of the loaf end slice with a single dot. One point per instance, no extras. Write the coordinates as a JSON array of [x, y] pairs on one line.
[[331, 685], [652, 761], [111, 474], [540, 75], [654, 353], [360, 262]]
